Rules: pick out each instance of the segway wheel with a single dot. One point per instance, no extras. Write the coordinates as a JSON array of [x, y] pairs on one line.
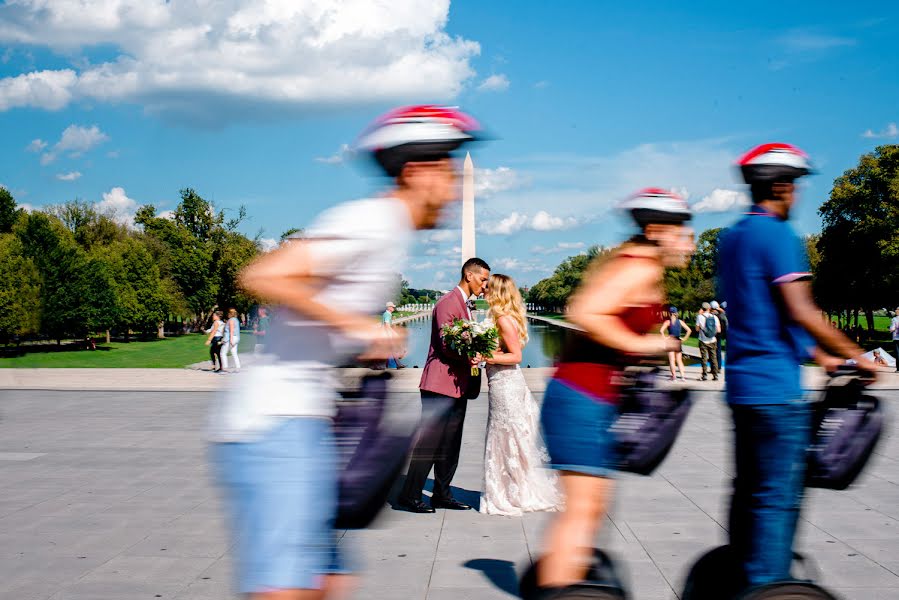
[[602, 583], [715, 576], [788, 591]]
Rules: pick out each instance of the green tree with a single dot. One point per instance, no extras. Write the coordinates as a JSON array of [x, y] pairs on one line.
[[554, 291], [90, 227], [141, 294], [20, 284], [859, 244], [8, 212]]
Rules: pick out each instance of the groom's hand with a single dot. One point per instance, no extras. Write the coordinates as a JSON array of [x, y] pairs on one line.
[[476, 359]]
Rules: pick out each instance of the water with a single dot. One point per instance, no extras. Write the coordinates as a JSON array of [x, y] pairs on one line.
[[541, 351]]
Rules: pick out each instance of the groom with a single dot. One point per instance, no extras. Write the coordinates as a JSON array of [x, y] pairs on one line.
[[446, 385]]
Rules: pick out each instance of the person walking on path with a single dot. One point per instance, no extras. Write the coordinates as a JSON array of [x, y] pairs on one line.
[[260, 329], [674, 328], [446, 386], [894, 329], [216, 333], [776, 326], [230, 341], [718, 310], [387, 324], [274, 447], [708, 327]]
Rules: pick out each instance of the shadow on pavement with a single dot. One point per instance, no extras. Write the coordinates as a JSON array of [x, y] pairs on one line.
[[500, 572]]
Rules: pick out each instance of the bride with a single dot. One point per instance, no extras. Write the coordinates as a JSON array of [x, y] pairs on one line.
[[515, 480]]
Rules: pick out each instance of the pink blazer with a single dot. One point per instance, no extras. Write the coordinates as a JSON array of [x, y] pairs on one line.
[[446, 372]]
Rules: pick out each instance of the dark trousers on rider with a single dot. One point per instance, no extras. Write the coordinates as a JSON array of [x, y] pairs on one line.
[[770, 447]]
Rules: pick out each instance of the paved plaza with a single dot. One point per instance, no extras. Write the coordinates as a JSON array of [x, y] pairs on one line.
[[107, 495]]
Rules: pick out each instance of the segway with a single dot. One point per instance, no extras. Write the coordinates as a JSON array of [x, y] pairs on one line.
[[846, 426], [649, 420]]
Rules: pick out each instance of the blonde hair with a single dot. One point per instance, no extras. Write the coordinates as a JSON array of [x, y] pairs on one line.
[[505, 299], [232, 312]]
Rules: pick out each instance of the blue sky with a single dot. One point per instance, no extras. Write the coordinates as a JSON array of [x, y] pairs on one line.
[[128, 102]]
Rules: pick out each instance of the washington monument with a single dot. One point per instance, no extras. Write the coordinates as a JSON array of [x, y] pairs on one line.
[[468, 246]]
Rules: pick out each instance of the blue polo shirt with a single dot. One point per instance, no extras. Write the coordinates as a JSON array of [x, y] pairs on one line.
[[765, 348]]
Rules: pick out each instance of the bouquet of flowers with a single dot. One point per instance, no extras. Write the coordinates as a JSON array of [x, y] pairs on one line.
[[470, 338]]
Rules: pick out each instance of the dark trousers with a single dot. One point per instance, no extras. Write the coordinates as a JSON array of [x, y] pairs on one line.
[[770, 446], [438, 446], [719, 349], [214, 349], [708, 353], [896, 354]]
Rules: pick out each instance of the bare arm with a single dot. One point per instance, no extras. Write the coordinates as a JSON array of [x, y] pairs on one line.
[[511, 339], [664, 329], [286, 276], [597, 306], [797, 296]]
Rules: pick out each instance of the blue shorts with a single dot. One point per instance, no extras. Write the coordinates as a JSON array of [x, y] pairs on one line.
[[576, 431], [281, 491]]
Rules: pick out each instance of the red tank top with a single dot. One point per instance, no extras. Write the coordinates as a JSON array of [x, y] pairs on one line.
[[593, 368]]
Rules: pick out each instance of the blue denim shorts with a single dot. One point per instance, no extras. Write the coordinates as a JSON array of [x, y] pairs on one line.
[[576, 430], [281, 491]]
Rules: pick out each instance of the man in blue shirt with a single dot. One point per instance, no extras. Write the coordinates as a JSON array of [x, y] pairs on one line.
[[776, 327]]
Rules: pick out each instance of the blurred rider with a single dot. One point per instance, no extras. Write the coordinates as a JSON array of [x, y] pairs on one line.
[[275, 456], [619, 302], [764, 276]]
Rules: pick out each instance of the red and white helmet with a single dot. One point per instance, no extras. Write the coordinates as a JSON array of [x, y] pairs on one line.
[[655, 205], [416, 133], [773, 162]]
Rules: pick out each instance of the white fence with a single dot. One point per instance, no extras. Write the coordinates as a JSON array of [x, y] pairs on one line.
[[423, 307]]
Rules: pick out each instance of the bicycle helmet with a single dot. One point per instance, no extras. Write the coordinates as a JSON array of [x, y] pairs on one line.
[[655, 205], [416, 134], [775, 162]]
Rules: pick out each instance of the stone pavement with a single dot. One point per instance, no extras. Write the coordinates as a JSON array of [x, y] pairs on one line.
[[106, 495]]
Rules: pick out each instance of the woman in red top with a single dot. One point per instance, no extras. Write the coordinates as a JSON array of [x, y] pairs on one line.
[[618, 304]]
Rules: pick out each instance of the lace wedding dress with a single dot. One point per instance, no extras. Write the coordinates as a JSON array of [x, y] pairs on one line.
[[515, 477]]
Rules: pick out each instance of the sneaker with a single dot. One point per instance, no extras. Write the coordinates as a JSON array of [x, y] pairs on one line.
[[703, 378], [714, 378]]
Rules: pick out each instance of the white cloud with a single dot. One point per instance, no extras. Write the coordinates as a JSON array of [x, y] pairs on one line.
[[517, 265], [891, 131], [167, 214], [494, 83], [71, 176], [541, 84], [512, 223], [187, 60], [543, 221], [488, 182], [805, 40], [343, 154], [422, 266], [118, 206], [36, 145], [515, 222], [443, 235], [559, 247], [76, 140], [266, 244], [721, 200]]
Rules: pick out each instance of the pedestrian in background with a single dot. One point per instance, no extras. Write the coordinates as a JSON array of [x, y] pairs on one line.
[[674, 328], [230, 341], [707, 329], [216, 333]]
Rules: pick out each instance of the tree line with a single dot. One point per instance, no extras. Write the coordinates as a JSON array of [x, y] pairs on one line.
[[854, 260], [70, 271]]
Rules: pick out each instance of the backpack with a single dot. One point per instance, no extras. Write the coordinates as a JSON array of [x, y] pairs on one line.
[[710, 328]]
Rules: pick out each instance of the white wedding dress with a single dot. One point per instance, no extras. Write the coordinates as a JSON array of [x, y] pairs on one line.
[[516, 479]]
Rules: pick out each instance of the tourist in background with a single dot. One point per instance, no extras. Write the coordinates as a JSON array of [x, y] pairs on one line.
[[230, 341], [718, 310], [260, 329], [216, 333], [894, 329], [675, 328], [387, 324], [707, 329], [516, 480]]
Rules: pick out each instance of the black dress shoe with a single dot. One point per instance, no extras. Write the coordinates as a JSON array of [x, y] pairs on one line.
[[449, 503], [415, 506]]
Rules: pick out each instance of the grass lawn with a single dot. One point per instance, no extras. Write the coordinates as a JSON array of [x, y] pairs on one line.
[[173, 352]]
